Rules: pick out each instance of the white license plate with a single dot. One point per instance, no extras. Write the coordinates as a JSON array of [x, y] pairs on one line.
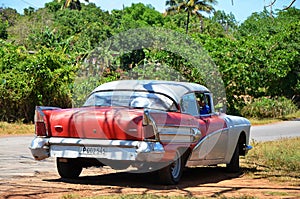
[[92, 150]]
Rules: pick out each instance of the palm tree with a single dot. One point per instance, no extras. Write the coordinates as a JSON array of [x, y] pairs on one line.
[[192, 7], [72, 4]]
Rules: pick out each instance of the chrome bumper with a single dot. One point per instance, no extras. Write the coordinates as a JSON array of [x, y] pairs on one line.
[[39, 148], [42, 148]]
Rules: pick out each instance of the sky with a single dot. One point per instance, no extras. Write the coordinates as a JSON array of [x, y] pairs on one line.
[[240, 8]]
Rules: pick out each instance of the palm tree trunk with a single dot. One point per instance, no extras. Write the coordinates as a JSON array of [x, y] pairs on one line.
[[201, 25], [187, 23], [201, 22]]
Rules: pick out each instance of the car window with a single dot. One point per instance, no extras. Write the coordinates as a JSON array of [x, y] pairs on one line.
[[189, 105], [204, 103], [132, 99]]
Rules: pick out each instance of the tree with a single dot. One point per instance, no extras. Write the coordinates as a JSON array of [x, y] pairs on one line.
[[8, 17], [191, 7], [136, 16], [72, 4], [28, 11], [227, 21], [3, 30], [23, 29]]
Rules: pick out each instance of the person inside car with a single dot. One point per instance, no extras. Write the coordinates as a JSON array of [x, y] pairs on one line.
[[204, 108]]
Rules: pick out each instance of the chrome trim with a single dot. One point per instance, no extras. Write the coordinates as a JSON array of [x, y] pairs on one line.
[[48, 108], [175, 131], [242, 125], [39, 148], [173, 126], [196, 133], [40, 109], [42, 148], [179, 135], [148, 120]]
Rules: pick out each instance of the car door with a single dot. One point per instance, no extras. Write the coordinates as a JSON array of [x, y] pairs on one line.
[[216, 135]]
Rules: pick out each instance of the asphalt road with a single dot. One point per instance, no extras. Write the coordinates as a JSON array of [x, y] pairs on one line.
[[16, 159], [276, 131]]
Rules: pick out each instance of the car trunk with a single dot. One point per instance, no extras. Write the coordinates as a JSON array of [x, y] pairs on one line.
[[96, 122]]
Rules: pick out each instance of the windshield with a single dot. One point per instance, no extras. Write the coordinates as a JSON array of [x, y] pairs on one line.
[[133, 99]]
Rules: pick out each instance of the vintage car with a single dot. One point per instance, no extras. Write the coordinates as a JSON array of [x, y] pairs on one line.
[[153, 126]]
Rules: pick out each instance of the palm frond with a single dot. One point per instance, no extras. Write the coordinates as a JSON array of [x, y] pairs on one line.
[[193, 7]]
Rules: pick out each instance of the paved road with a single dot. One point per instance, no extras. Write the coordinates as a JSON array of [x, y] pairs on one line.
[[276, 131], [16, 159]]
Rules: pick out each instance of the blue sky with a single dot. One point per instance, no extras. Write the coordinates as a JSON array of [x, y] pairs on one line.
[[241, 8]]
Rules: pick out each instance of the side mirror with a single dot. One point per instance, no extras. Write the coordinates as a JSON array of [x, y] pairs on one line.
[[222, 110]]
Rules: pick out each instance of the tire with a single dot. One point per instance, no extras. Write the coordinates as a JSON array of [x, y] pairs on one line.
[[68, 168], [172, 173], [234, 165], [118, 165]]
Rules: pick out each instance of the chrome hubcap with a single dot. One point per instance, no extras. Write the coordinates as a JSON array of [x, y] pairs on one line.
[[176, 166]]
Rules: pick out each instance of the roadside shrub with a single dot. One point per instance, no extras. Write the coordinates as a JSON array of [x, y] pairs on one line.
[[28, 80], [269, 108]]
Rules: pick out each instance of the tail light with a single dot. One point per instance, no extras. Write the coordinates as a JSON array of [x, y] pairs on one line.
[[148, 132], [149, 127], [40, 122]]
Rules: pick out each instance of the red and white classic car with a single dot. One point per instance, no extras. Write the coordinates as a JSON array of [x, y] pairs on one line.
[[150, 125]]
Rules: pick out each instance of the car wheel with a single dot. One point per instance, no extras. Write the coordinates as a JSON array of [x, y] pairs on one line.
[[171, 174], [234, 164], [68, 168]]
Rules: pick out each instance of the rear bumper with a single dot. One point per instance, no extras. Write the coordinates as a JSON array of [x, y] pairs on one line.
[[39, 148], [42, 148]]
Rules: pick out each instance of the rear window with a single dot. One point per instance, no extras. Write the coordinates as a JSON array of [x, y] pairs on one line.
[[132, 99]]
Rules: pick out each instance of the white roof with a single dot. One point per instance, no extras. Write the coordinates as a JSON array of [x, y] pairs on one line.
[[173, 89]]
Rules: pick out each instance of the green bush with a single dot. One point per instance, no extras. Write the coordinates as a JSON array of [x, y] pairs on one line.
[[269, 108], [28, 80]]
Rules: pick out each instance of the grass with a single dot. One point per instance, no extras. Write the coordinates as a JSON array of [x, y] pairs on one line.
[[255, 121], [276, 160], [276, 193], [16, 129], [259, 121]]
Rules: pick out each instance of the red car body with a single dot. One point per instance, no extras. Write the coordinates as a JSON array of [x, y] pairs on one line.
[[150, 125]]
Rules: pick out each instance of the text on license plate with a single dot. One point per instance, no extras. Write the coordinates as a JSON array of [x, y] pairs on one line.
[[92, 150]]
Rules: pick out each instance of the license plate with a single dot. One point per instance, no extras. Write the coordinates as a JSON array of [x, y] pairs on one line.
[[93, 150]]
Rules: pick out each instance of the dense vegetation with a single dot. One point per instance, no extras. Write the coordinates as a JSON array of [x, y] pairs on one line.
[[264, 107], [42, 51]]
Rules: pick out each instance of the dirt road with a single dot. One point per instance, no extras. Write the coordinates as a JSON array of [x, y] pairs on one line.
[[198, 182], [22, 177]]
